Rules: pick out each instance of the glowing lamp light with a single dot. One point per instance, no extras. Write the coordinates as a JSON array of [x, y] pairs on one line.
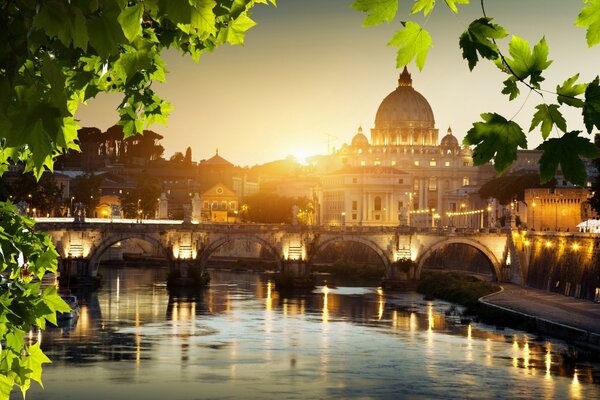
[[526, 242], [575, 246], [548, 244]]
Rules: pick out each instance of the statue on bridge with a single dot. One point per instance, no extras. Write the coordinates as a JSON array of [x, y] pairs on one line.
[[79, 212]]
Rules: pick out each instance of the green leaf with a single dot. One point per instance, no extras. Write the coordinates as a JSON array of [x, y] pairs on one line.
[[566, 152], [105, 33], [54, 302], [511, 88], [590, 17], [178, 11], [525, 62], [6, 385], [236, 31], [130, 19], [67, 23], [479, 38], [203, 16], [548, 116], [377, 11], [412, 42], [34, 361], [495, 138], [452, 4], [591, 107], [425, 5], [568, 91]]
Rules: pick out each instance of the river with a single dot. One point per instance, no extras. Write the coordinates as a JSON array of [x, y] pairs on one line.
[[242, 339]]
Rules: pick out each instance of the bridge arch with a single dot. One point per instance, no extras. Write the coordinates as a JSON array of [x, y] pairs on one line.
[[370, 244], [97, 251], [221, 241], [496, 264]]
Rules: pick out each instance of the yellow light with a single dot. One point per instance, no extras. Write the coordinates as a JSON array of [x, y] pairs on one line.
[[575, 246], [548, 244], [526, 242]]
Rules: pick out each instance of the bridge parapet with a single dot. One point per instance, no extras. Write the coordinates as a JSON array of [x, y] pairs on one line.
[[193, 241]]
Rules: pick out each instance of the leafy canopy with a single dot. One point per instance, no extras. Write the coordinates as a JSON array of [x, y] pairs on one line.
[[56, 55], [496, 138], [62, 53]]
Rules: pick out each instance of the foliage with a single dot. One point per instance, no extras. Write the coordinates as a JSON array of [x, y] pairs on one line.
[[61, 53], [270, 208], [142, 202], [496, 138], [57, 54], [509, 187], [86, 190], [405, 264], [45, 196], [25, 257], [457, 288]]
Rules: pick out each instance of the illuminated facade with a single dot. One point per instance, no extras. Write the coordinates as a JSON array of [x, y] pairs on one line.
[[557, 209], [403, 169]]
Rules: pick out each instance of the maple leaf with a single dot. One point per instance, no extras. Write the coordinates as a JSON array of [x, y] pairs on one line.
[[412, 42], [548, 116], [591, 107], [495, 138], [568, 91], [377, 11], [566, 151], [590, 17], [478, 38]]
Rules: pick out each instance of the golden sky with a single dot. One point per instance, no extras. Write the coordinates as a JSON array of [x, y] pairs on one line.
[[309, 74]]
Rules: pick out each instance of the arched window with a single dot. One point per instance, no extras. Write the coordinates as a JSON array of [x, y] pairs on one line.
[[377, 202]]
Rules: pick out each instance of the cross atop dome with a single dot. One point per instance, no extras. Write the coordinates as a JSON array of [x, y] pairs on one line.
[[405, 78]]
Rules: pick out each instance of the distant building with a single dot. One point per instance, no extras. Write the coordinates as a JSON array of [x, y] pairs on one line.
[[557, 209], [404, 167], [219, 204]]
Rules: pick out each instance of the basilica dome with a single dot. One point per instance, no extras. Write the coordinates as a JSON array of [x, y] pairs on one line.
[[404, 107], [360, 140], [449, 140]]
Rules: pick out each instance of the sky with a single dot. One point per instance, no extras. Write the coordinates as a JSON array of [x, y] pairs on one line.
[[309, 75]]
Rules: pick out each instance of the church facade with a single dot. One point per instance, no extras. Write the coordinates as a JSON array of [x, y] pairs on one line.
[[404, 174]]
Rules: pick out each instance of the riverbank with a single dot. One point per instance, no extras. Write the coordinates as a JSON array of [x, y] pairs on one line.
[[574, 320]]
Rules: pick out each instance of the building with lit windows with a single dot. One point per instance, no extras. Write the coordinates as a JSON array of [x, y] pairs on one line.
[[403, 171]]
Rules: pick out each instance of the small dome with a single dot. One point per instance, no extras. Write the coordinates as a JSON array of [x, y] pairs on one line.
[[360, 140], [404, 106], [449, 141]]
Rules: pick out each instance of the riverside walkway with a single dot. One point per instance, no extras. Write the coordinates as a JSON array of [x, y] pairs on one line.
[[550, 309]]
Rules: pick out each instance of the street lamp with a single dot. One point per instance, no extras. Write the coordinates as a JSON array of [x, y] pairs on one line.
[[138, 211], [343, 218], [533, 214]]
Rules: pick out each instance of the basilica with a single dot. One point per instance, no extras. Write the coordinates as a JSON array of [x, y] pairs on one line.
[[404, 174]]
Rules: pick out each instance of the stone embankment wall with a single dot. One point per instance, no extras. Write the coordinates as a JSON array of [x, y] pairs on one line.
[[566, 263]]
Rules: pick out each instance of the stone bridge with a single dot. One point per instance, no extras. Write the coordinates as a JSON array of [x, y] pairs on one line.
[[84, 243]]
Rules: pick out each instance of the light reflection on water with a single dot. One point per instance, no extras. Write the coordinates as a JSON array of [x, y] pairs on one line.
[[241, 338]]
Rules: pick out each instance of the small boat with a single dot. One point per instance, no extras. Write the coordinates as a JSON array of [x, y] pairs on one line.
[[71, 300]]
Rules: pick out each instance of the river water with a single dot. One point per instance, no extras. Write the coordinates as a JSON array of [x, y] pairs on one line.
[[241, 339]]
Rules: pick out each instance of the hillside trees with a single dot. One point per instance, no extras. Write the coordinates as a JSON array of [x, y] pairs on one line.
[[57, 54], [522, 67]]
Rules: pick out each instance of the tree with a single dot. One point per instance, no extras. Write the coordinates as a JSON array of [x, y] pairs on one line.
[[86, 190], [270, 208], [44, 196], [496, 138], [56, 55], [142, 202]]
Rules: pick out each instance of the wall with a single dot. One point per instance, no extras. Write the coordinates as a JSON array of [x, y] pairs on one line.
[[563, 263]]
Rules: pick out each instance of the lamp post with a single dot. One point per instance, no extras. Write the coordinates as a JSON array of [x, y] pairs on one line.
[[533, 215], [70, 210], [343, 218], [138, 211]]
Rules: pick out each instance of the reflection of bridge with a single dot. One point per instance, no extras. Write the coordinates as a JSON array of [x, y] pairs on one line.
[[289, 244]]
